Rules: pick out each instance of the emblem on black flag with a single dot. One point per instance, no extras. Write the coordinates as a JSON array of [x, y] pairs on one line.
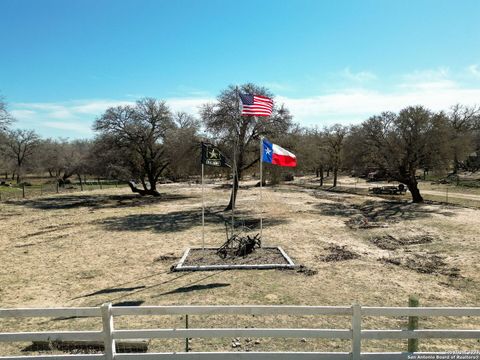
[[212, 156]]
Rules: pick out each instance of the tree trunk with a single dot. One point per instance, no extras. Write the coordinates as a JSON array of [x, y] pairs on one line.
[[321, 175], [335, 173], [233, 195], [413, 187], [144, 191], [328, 172], [80, 180], [65, 177], [455, 163], [153, 183]]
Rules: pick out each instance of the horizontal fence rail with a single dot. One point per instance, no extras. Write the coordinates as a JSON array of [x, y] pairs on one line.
[[233, 310], [224, 332], [109, 336]]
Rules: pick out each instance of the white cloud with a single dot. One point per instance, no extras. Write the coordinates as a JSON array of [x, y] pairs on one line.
[[277, 86], [474, 70], [189, 105], [361, 76], [431, 79], [80, 128], [24, 114], [78, 115], [436, 89], [355, 105], [427, 75]]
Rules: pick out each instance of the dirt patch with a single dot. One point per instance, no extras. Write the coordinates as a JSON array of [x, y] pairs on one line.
[[302, 269], [338, 253], [389, 242], [423, 264], [199, 257], [166, 257], [362, 222]]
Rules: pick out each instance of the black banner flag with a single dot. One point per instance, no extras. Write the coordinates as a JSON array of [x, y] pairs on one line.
[[212, 156]]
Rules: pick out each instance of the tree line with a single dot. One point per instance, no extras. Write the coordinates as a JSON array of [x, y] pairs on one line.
[[145, 142]]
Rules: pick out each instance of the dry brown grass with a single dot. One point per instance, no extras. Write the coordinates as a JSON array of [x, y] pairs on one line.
[[106, 246]]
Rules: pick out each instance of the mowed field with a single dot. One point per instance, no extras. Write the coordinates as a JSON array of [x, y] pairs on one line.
[[85, 249]]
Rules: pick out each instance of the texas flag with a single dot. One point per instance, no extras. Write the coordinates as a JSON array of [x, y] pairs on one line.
[[276, 155]]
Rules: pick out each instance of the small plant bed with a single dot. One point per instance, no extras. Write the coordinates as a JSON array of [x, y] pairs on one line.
[[198, 259], [424, 264], [389, 242], [338, 253]]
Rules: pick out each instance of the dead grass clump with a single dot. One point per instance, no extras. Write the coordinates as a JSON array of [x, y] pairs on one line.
[[302, 269], [385, 242], [423, 264], [338, 253], [388, 242], [362, 222]]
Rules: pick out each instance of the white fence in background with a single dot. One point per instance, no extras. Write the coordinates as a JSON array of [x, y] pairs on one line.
[[109, 335]]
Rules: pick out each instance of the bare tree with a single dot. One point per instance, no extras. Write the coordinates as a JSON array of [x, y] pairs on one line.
[[64, 159], [463, 122], [51, 156], [20, 145], [182, 145], [5, 118], [334, 137], [140, 132], [228, 128], [400, 144]]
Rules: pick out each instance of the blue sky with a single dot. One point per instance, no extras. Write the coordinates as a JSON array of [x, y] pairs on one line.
[[62, 63]]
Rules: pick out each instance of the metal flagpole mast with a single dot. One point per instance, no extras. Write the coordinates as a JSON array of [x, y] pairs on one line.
[[203, 211], [261, 185], [234, 169]]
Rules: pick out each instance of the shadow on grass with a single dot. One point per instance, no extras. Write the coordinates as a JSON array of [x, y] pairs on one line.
[[97, 201], [182, 220], [187, 289], [112, 290], [129, 303], [382, 210]]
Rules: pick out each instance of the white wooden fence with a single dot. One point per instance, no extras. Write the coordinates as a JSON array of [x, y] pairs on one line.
[[109, 335]]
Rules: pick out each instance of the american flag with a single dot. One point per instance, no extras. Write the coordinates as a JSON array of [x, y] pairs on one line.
[[256, 105]]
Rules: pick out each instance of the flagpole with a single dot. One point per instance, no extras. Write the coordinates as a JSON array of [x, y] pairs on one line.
[[234, 169], [261, 186], [203, 211], [234, 174]]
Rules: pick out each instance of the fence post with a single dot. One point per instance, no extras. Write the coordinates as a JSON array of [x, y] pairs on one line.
[[356, 331], [413, 324], [107, 321], [186, 339]]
